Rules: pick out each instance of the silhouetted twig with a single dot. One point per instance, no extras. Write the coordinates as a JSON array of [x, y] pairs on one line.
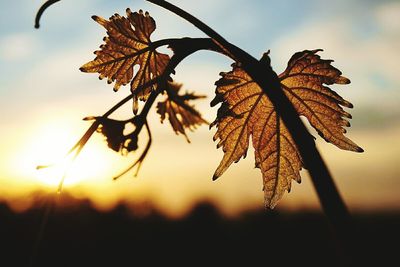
[[41, 10], [140, 160]]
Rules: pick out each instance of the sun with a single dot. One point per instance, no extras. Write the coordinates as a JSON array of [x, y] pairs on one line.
[[48, 145]]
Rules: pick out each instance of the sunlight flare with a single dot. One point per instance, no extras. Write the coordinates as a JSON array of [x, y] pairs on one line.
[[48, 147]]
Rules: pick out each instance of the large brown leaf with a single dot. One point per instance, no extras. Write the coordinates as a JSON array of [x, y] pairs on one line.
[[128, 44], [180, 114], [246, 111]]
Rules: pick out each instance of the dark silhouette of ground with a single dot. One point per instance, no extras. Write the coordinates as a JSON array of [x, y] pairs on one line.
[[78, 235]]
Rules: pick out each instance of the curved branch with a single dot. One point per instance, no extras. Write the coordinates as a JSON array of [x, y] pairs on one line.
[[267, 79], [41, 10]]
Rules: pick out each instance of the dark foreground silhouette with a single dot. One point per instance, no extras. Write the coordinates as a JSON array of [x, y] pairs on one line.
[[78, 235]]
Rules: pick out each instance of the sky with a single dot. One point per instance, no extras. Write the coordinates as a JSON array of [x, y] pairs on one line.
[[44, 96]]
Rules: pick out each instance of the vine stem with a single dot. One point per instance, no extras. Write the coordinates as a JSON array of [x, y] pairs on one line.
[[330, 199], [41, 10]]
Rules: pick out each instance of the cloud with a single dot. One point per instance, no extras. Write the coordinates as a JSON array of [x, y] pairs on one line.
[[17, 46], [388, 17], [368, 57]]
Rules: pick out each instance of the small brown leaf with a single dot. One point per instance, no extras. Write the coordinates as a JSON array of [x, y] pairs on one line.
[[246, 111], [113, 131], [180, 114], [128, 44]]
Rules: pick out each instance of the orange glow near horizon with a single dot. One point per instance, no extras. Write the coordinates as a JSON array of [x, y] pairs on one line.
[[174, 180], [90, 175], [48, 145]]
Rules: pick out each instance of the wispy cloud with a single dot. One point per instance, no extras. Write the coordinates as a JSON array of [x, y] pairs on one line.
[[17, 46], [368, 57]]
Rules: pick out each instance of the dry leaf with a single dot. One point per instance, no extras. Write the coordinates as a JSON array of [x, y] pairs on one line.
[[128, 44], [113, 131], [303, 83], [180, 114], [246, 111]]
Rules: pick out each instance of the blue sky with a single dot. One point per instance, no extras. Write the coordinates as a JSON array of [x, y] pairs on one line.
[[255, 26], [39, 75]]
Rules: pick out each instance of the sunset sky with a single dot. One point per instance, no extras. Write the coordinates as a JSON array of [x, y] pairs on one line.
[[44, 96]]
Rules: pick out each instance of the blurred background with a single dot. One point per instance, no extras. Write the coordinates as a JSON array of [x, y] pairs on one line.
[[44, 96]]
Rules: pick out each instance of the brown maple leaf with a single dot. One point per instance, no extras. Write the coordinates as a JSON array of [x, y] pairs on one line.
[[246, 111], [180, 114], [128, 44]]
